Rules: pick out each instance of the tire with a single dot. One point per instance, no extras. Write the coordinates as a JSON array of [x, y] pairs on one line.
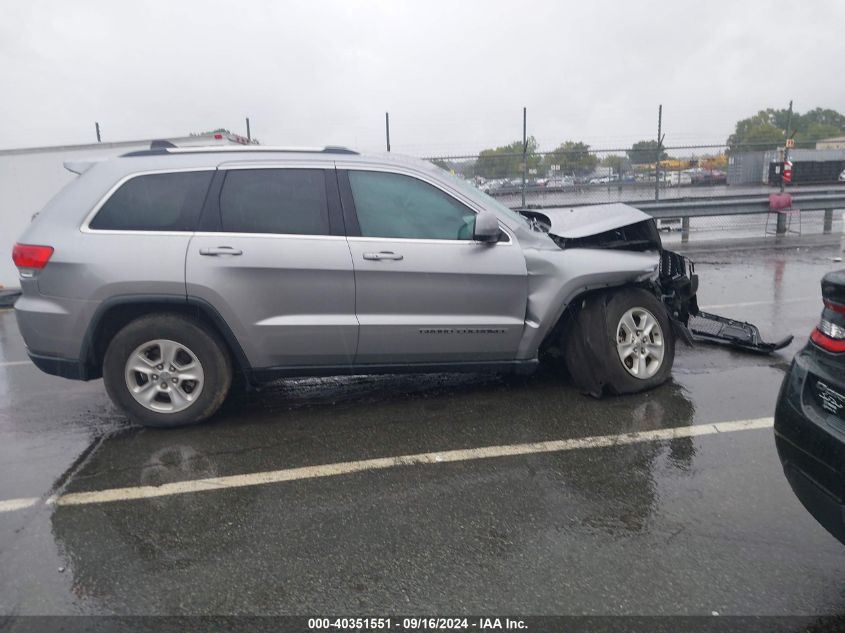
[[599, 337], [161, 394]]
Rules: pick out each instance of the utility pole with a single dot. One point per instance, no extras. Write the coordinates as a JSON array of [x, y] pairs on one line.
[[248, 135], [781, 225], [524, 151], [786, 146], [97, 128], [659, 152], [387, 128]]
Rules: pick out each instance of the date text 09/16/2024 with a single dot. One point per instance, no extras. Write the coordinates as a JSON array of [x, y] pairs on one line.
[[416, 624]]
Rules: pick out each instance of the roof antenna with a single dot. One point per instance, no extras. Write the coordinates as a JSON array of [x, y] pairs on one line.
[[161, 144]]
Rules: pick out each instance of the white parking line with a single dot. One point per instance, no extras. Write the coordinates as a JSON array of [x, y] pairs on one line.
[[17, 504], [760, 303], [12, 363], [343, 468], [381, 463]]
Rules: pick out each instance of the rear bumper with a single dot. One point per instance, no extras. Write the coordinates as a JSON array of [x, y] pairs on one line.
[[55, 366], [53, 330], [811, 448], [8, 297], [820, 502]]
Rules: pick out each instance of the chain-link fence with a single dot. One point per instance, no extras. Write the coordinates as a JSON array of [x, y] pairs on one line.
[[576, 174]]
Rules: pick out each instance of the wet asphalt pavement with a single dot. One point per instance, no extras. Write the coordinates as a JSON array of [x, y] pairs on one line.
[[692, 525]]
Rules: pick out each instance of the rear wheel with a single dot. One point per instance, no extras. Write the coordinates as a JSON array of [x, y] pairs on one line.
[[167, 370], [620, 342]]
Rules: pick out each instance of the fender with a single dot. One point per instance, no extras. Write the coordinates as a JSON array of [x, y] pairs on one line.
[[558, 277], [91, 355]]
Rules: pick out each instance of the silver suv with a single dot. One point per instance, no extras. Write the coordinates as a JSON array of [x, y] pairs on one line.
[[167, 271]]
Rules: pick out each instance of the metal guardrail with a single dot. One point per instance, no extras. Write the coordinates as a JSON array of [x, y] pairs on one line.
[[744, 204], [737, 205]]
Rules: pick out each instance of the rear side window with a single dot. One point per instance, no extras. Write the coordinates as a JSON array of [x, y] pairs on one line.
[[155, 202], [393, 205], [284, 201]]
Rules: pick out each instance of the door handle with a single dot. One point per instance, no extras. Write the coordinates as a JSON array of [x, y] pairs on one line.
[[383, 255], [214, 251]]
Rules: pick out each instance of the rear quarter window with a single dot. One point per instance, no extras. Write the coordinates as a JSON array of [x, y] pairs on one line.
[[155, 202]]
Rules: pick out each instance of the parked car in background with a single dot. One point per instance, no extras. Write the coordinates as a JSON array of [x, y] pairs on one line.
[[810, 414], [560, 182], [490, 185], [707, 177], [678, 179]]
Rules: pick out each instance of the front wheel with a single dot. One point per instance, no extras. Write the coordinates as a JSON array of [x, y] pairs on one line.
[[167, 370], [620, 341]]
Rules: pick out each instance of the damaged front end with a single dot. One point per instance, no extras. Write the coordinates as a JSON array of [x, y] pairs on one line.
[[622, 227]]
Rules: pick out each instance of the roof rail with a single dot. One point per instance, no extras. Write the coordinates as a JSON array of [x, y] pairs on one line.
[[161, 144], [79, 167], [338, 149], [158, 148]]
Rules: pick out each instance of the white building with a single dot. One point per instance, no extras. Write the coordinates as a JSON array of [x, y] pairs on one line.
[[29, 177], [837, 142]]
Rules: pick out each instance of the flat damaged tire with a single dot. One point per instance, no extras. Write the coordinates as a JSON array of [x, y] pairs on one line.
[[619, 342]]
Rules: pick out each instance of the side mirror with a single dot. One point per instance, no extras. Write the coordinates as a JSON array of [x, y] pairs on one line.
[[486, 228]]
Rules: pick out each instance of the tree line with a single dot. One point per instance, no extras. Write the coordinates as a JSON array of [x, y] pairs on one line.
[[568, 158], [767, 129], [763, 131]]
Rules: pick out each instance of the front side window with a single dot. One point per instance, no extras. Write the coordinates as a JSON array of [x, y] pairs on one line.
[[393, 205], [155, 202], [283, 201]]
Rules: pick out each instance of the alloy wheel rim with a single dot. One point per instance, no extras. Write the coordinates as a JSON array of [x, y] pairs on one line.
[[164, 376], [640, 343]]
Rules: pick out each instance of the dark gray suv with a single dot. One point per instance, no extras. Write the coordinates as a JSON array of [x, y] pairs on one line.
[[166, 271]]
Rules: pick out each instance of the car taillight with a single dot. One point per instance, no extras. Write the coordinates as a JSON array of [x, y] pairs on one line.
[[830, 335], [835, 307], [826, 342], [31, 256]]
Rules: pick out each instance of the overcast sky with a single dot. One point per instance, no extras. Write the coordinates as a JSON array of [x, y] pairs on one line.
[[454, 75]]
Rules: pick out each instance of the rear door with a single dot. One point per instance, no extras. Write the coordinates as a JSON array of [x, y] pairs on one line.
[[426, 292], [272, 258]]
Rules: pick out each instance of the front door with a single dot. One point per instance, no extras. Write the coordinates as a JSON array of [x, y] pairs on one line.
[[425, 291]]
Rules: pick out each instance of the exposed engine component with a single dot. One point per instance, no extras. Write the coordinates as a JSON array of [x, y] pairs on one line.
[[622, 227]]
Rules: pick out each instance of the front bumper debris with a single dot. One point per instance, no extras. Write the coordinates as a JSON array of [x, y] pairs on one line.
[[713, 328], [679, 289]]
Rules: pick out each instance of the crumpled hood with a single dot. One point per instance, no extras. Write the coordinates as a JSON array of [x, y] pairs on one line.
[[575, 222]]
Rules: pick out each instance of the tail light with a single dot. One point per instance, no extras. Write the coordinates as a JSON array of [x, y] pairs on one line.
[[830, 335], [835, 307], [31, 256]]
